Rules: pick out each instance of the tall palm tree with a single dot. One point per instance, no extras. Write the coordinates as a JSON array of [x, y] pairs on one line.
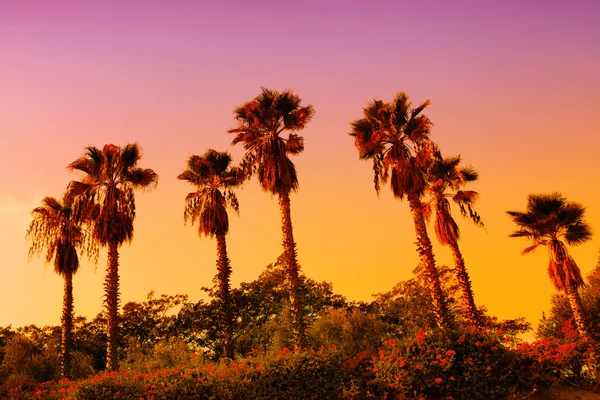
[[261, 124], [106, 194], [446, 179], [214, 178], [396, 137], [550, 220], [56, 231]]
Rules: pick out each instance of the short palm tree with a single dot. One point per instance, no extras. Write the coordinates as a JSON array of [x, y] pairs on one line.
[[261, 124], [55, 231], [446, 178], [106, 195], [396, 137], [550, 220], [215, 179]]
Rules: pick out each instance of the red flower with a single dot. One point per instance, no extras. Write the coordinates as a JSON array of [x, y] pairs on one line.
[[438, 380]]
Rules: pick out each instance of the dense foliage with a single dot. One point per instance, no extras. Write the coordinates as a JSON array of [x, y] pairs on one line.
[[389, 347]]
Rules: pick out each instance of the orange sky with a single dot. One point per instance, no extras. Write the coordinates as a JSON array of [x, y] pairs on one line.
[[514, 90]]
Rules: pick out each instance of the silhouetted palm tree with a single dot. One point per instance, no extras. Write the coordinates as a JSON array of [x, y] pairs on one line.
[[55, 231], [396, 137], [261, 123], [214, 178], [548, 220], [446, 179], [106, 195]]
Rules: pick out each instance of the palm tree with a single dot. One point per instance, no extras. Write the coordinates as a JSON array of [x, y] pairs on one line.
[[55, 231], [396, 137], [551, 220], [214, 178], [446, 175], [106, 194], [261, 124]]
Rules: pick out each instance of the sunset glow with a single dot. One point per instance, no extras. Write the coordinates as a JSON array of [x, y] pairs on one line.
[[514, 90]]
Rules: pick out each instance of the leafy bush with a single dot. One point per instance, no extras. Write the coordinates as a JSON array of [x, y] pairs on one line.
[[351, 332], [165, 354]]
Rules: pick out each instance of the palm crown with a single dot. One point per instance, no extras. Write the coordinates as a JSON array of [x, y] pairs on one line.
[[261, 122], [111, 175], [446, 178], [396, 137], [55, 230], [215, 178], [548, 220]]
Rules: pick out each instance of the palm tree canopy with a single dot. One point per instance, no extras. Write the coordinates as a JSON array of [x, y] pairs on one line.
[[396, 137], [214, 178], [261, 122], [106, 190], [55, 231], [551, 217], [446, 178], [548, 220]]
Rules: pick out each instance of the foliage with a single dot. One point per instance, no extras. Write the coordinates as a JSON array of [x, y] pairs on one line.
[[556, 322], [262, 310], [460, 364], [152, 320], [350, 331], [463, 364], [407, 308]]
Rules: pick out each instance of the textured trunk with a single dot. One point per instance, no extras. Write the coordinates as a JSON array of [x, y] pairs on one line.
[[224, 272], [428, 261], [67, 327], [465, 285], [578, 312], [291, 270], [111, 287]]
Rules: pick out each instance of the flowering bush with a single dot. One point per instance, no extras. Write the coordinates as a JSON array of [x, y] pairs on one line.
[[465, 364], [458, 364]]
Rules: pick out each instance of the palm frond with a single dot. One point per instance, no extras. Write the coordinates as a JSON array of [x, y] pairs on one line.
[[130, 155], [142, 178]]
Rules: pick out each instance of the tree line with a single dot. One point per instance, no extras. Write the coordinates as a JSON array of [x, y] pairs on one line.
[[98, 210]]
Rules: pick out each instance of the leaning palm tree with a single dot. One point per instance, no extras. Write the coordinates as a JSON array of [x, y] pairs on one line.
[[106, 195], [396, 137], [56, 231], [214, 178], [446, 178], [261, 123], [548, 220]]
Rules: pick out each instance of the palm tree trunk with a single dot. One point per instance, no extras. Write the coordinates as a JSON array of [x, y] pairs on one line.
[[291, 270], [425, 251], [578, 312], [224, 272], [67, 326], [465, 285], [111, 287]]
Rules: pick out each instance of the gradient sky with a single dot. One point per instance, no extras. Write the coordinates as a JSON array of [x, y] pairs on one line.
[[514, 88]]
